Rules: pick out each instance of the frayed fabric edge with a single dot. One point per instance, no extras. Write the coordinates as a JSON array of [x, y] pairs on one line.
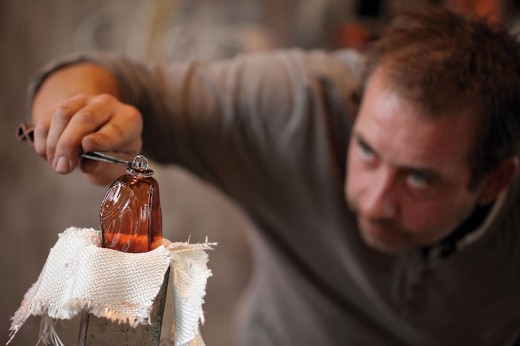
[[48, 333]]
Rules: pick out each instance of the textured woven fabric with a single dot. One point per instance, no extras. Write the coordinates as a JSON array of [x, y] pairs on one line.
[[80, 276], [189, 274]]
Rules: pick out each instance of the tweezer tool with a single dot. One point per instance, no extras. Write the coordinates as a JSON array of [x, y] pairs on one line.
[[25, 133]]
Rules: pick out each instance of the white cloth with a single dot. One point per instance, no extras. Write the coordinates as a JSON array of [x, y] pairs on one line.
[[81, 276]]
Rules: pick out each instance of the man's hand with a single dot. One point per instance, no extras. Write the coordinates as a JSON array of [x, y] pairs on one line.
[[77, 109]]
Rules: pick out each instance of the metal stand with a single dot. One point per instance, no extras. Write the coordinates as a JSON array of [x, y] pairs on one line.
[[95, 331]]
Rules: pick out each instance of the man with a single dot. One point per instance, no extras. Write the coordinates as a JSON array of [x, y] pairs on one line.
[[414, 241]]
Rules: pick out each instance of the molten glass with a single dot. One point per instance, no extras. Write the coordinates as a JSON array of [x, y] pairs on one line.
[[131, 219]]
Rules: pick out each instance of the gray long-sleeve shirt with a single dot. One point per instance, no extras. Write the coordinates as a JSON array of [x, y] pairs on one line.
[[271, 131]]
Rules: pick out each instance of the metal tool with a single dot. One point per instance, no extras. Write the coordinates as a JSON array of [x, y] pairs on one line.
[[25, 133]]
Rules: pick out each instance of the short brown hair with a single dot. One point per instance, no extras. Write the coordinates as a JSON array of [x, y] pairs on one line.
[[445, 63]]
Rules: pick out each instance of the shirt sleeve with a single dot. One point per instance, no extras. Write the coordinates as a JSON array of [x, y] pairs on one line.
[[238, 121]]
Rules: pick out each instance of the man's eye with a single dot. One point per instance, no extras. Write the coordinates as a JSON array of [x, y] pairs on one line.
[[419, 180], [365, 152]]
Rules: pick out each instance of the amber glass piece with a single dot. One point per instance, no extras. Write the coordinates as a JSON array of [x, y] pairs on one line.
[[131, 219]]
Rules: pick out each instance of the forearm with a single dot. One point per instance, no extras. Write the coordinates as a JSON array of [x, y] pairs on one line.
[[198, 114], [83, 78]]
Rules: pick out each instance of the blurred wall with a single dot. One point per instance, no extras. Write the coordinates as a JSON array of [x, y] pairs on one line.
[[37, 204]]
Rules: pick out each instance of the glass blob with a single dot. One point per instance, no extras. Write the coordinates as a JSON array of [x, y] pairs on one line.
[[130, 213]]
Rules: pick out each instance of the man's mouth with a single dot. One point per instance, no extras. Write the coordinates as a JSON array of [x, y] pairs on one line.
[[379, 228]]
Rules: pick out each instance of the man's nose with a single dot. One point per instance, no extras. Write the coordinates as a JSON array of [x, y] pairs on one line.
[[379, 200]]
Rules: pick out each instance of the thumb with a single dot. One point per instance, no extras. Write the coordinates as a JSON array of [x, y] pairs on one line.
[[101, 173]]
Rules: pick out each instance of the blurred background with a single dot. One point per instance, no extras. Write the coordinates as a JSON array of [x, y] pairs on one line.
[[37, 204]]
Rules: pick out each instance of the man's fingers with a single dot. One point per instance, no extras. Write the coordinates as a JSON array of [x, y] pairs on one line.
[[41, 129], [48, 130], [85, 121], [122, 133], [60, 120]]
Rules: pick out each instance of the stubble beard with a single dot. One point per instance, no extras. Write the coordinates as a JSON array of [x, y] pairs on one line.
[[398, 240]]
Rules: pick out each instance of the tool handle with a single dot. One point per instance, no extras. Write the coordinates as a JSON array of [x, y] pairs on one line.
[[25, 133]]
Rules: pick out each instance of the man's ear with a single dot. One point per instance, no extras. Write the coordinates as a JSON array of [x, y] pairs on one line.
[[498, 180]]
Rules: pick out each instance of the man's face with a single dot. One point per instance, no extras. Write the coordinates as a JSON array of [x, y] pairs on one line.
[[408, 175]]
